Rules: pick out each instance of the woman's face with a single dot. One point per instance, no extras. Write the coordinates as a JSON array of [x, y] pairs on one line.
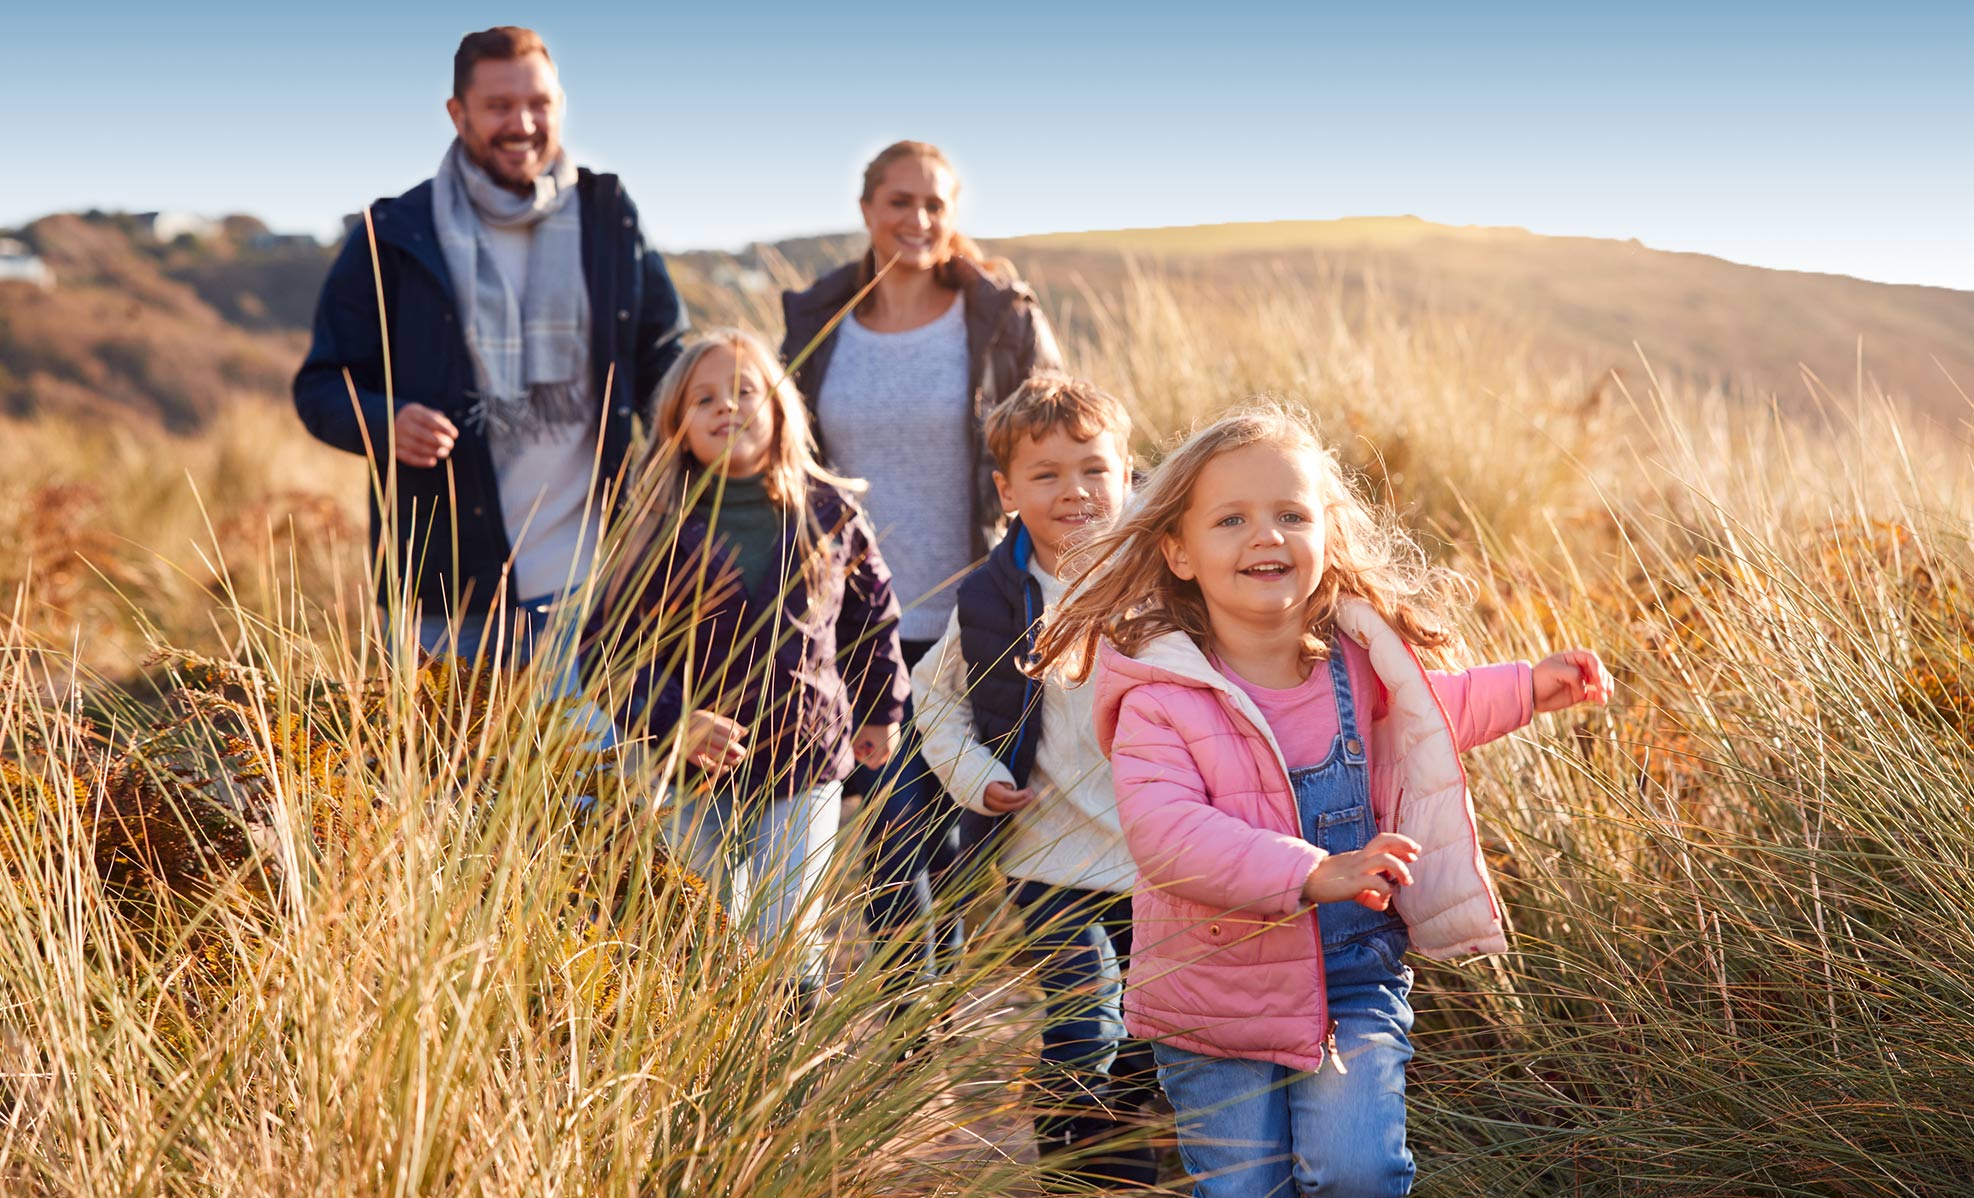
[[911, 214], [727, 414]]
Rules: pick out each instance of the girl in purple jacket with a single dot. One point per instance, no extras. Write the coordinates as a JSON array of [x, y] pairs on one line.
[[1288, 781], [758, 616]]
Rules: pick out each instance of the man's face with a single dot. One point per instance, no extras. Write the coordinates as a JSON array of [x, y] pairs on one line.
[[510, 119]]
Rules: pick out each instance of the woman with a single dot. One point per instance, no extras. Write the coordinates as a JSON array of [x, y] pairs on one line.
[[901, 355]]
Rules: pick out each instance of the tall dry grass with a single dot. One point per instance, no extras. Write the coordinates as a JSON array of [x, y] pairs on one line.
[[1742, 954], [117, 537]]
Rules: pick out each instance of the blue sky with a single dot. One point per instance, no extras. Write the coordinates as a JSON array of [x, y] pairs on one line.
[[1806, 136]]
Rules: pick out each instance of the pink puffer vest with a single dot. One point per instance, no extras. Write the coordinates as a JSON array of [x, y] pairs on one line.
[[1226, 959]]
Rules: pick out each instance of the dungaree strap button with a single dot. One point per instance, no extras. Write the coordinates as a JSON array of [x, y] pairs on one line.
[[1353, 746]]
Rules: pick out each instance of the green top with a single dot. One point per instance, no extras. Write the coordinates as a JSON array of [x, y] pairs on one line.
[[747, 523]]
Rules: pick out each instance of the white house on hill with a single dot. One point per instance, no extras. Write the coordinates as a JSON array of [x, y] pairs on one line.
[[168, 227], [18, 263]]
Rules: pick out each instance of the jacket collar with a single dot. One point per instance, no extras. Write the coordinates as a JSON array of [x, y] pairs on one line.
[[406, 222], [987, 297], [1174, 658], [825, 297], [1016, 548]]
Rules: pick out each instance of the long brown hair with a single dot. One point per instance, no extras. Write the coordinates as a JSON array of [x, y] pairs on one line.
[[960, 246], [1128, 594], [668, 476]]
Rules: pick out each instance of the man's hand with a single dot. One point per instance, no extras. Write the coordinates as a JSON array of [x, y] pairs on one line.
[[1371, 875], [1002, 799], [713, 742], [874, 744], [424, 436]]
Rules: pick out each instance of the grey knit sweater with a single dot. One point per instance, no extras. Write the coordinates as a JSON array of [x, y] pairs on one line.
[[894, 411]]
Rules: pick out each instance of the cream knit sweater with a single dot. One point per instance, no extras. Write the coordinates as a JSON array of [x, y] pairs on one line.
[[1069, 836]]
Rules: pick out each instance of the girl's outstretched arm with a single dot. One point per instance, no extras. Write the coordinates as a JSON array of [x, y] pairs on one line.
[[1486, 702], [1182, 843]]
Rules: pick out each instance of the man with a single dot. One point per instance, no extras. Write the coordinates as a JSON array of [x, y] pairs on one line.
[[523, 322]]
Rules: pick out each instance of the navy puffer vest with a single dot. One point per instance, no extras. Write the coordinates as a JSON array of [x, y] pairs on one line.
[[1000, 604], [1000, 607]]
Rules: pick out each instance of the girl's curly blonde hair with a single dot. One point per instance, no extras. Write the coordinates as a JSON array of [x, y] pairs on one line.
[[1128, 595]]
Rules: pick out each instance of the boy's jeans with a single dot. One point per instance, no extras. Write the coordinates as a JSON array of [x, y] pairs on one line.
[[1347, 1130], [1094, 1080], [770, 857]]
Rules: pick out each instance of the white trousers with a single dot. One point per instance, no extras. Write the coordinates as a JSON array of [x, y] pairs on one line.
[[769, 859]]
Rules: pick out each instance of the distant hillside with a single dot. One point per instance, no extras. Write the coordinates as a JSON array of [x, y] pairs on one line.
[[1746, 328], [134, 328], [168, 330]]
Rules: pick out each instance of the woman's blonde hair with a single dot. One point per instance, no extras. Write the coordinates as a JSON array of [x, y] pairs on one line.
[[1128, 595], [668, 478]]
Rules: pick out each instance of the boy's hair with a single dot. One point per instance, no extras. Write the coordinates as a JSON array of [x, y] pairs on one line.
[[1130, 595], [501, 43], [1052, 400]]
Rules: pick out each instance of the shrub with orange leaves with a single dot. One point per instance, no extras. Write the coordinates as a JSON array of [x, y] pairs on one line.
[[1885, 564]]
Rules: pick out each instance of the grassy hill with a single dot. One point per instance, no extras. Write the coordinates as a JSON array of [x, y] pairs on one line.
[[1586, 303], [171, 331], [1743, 328], [280, 920]]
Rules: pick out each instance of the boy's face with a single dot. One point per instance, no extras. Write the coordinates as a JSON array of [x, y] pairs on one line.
[[1064, 490]]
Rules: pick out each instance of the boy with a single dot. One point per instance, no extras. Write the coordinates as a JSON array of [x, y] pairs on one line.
[[1020, 753]]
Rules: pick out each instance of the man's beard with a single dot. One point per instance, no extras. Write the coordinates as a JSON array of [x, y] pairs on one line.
[[485, 156]]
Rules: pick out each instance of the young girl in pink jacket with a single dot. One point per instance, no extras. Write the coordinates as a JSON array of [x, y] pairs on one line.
[[1289, 783]]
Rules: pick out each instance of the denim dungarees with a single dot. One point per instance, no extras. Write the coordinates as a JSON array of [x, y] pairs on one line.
[[1333, 801]]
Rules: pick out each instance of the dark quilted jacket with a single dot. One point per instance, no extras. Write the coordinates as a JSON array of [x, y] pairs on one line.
[[803, 671]]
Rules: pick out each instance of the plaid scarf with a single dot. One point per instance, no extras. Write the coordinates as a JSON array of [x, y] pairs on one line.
[[530, 352]]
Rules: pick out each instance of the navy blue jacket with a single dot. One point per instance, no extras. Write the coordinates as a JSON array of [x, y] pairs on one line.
[[450, 538], [1000, 612], [803, 678]]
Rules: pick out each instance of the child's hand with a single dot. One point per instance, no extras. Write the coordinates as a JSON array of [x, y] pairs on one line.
[[1002, 799], [874, 744], [713, 742], [1371, 875], [1571, 677]]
